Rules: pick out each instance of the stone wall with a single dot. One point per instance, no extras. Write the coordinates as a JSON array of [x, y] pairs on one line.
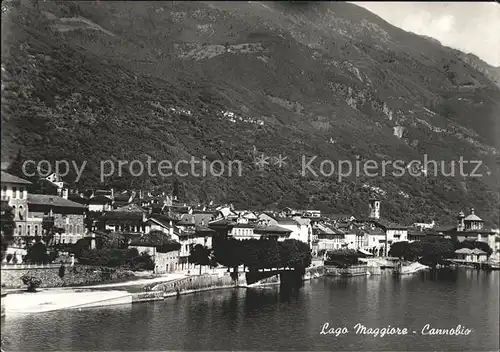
[[192, 283], [77, 275]]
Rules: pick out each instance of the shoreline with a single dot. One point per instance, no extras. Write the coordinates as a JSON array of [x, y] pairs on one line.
[[66, 298], [58, 298]]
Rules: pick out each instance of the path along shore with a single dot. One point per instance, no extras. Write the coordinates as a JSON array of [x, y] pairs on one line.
[[49, 299]]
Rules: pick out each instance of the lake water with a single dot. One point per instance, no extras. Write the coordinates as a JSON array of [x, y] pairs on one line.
[[267, 319]]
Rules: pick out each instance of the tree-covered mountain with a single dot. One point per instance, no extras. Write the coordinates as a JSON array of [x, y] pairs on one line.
[[92, 81]]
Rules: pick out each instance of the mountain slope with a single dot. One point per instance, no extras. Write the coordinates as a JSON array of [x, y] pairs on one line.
[[106, 80]]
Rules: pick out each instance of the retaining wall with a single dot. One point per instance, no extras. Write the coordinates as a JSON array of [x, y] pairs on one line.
[[194, 283], [77, 275]]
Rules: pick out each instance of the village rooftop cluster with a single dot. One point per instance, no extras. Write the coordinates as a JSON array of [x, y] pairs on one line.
[[153, 219]]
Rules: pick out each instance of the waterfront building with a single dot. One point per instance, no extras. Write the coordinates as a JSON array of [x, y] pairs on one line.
[[163, 249], [471, 228], [304, 232], [48, 211], [471, 255], [14, 193], [375, 225], [327, 237]]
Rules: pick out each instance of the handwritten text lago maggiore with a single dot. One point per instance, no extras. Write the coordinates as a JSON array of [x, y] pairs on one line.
[[360, 329]]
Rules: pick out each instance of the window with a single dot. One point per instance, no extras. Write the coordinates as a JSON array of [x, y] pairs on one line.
[[20, 230], [14, 192], [21, 193], [36, 230], [4, 190], [28, 230]]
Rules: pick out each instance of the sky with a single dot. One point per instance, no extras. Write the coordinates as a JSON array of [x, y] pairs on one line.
[[472, 27]]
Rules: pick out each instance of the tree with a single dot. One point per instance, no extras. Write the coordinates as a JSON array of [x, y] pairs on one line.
[[37, 254], [7, 227], [200, 255], [435, 250]]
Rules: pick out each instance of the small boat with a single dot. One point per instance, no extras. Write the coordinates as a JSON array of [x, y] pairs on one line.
[[494, 265], [409, 269]]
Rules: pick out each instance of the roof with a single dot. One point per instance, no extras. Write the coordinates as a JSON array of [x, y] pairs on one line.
[[444, 228], [478, 251], [463, 251], [77, 199], [473, 217], [103, 192], [186, 219], [222, 222], [46, 199], [339, 216], [271, 229], [8, 178], [160, 222], [204, 229], [120, 215], [389, 225], [284, 221], [152, 239], [302, 221], [324, 229], [100, 199], [130, 208], [416, 233], [202, 219], [123, 196]]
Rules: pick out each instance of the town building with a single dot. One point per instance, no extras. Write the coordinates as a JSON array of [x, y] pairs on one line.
[[471, 255], [375, 226], [164, 251], [62, 217], [130, 218], [100, 203], [14, 193], [471, 228]]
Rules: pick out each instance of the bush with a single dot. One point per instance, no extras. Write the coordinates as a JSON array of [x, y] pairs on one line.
[[114, 257], [32, 282]]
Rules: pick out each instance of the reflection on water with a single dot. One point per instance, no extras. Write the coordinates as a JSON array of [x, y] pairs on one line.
[[272, 318]]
